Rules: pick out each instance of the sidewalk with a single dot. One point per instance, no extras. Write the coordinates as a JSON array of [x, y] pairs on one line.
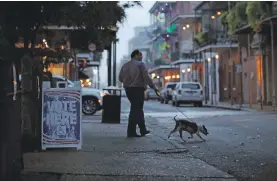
[[237, 107], [108, 155]]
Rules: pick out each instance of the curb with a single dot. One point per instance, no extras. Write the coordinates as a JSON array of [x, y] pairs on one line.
[[225, 107]]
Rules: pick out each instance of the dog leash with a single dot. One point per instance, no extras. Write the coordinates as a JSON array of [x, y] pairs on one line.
[[184, 114]]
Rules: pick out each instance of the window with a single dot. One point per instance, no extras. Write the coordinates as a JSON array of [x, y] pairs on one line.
[[190, 86], [172, 86], [177, 86]]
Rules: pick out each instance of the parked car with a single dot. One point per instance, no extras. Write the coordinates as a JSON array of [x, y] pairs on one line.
[[188, 93], [166, 93], [91, 98], [150, 94]]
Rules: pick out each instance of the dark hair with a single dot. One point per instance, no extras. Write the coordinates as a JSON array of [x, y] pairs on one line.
[[134, 53]]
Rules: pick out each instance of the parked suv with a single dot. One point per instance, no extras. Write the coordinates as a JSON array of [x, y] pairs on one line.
[[91, 98], [188, 93], [166, 93]]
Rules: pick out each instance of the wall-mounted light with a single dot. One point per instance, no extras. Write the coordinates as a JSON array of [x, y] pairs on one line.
[[158, 77], [213, 17], [188, 69], [178, 76], [218, 13], [183, 71], [217, 57], [209, 59], [184, 28], [153, 75], [167, 35], [187, 25], [173, 76]]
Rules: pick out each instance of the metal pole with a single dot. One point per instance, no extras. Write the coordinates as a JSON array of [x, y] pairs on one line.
[[109, 63], [206, 73], [212, 98], [241, 90], [114, 63], [273, 68], [262, 77], [98, 78]]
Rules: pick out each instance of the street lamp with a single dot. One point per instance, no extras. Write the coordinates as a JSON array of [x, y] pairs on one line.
[[217, 57], [188, 69], [209, 59]]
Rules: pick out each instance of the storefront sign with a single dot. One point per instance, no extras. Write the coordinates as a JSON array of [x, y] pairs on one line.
[[61, 118]]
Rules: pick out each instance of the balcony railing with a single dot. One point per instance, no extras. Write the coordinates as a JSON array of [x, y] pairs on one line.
[[213, 37], [175, 56]]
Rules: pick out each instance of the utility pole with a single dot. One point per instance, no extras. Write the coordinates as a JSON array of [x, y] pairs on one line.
[[240, 75], [109, 63], [114, 63], [273, 68]]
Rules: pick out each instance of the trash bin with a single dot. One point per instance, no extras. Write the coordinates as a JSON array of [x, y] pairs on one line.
[[111, 107]]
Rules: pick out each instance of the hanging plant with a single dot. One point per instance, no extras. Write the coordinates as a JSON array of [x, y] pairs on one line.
[[254, 13], [240, 8], [232, 21], [223, 17], [201, 37]]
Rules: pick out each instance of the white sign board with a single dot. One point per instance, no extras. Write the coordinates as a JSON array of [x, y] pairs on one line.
[[61, 117]]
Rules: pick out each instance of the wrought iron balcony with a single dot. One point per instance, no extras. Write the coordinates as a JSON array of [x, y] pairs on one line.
[[175, 56], [213, 37]]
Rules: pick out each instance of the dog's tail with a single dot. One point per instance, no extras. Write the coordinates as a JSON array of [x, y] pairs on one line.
[[175, 119]]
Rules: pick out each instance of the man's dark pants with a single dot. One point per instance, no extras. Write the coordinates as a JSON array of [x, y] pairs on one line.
[[136, 116]]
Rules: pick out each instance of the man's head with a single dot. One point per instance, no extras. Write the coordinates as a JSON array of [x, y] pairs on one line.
[[137, 55]]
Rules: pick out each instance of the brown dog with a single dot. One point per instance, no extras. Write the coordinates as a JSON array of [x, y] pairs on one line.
[[190, 127]]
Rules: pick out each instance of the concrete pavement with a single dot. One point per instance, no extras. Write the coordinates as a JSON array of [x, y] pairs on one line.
[[108, 155]]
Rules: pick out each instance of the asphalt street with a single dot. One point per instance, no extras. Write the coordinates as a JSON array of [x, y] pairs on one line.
[[240, 143]]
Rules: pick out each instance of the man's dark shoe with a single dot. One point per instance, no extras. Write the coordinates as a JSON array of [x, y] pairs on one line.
[[144, 133]]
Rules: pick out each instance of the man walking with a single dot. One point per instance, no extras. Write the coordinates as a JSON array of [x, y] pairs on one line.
[[135, 78]]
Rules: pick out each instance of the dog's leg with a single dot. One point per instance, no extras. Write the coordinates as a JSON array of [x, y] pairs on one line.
[[191, 136], [198, 134], [173, 131], [181, 135]]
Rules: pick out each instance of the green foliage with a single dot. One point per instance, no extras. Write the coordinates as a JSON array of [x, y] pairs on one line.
[[94, 17], [232, 21], [254, 13], [201, 37], [240, 8], [223, 18]]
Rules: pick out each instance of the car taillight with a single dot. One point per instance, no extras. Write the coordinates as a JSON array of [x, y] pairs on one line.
[[179, 91]]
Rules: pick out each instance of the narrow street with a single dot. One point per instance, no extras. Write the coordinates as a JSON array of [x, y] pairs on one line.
[[240, 143], [240, 146]]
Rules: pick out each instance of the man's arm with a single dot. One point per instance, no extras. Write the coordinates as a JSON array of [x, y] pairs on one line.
[[147, 79]]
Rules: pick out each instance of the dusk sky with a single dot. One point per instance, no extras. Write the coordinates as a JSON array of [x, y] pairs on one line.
[[137, 16]]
